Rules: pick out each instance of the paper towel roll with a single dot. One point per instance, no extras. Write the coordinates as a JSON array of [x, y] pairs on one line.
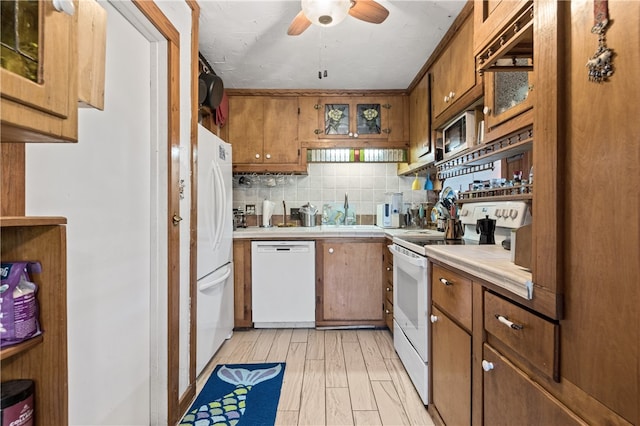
[[267, 211]]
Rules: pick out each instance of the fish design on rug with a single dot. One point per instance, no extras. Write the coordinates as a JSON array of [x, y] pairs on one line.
[[229, 409]]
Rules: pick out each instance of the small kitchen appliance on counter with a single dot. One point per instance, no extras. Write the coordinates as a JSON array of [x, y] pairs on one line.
[[388, 215], [486, 228], [308, 214]]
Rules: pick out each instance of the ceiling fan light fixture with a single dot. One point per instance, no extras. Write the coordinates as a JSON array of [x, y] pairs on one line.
[[326, 13]]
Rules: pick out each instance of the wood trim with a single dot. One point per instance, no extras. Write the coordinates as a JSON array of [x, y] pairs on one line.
[[548, 154], [190, 393], [12, 191], [153, 13], [312, 92]]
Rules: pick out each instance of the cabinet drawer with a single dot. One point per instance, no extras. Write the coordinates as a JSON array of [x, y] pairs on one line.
[[452, 293], [530, 336], [388, 314]]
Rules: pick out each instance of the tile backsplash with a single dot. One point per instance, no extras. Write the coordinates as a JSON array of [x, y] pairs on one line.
[[366, 185]]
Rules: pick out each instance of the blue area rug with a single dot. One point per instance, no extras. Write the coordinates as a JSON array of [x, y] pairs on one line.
[[238, 394]]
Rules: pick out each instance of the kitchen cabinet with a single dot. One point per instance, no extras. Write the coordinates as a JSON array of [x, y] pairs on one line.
[[451, 323], [489, 17], [42, 359], [242, 283], [453, 73], [506, 95], [39, 96], [510, 394], [349, 282], [355, 120], [420, 122], [264, 133], [387, 284]]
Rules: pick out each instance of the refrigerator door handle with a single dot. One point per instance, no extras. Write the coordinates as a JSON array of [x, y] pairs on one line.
[[218, 280], [220, 204]]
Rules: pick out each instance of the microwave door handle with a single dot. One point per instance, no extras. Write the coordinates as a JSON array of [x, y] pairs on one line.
[[416, 261]]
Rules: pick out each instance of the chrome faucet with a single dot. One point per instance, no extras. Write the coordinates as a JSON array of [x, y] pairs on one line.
[[346, 208]]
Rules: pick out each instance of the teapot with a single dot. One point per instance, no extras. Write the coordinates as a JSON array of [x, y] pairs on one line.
[[486, 228], [453, 229]]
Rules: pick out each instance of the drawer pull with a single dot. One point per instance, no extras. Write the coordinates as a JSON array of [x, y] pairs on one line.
[[445, 281], [508, 323], [486, 365]]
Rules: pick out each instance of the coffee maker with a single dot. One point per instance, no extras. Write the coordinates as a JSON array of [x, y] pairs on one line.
[[486, 228]]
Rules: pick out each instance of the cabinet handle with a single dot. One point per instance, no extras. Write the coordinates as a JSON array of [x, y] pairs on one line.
[[388, 288], [331, 250], [317, 131], [486, 110], [446, 99], [386, 131], [268, 156], [433, 319], [386, 106], [355, 135], [317, 106], [386, 311], [445, 281], [257, 155], [176, 219], [452, 95], [65, 6], [508, 323], [486, 365], [389, 269]]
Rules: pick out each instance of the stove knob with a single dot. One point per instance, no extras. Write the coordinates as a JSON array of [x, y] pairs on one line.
[[505, 213], [513, 213], [497, 213]]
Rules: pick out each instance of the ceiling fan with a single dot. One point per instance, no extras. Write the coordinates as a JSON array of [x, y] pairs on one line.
[[327, 13]]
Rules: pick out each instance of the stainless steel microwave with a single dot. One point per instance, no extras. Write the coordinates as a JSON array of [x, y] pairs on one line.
[[459, 134]]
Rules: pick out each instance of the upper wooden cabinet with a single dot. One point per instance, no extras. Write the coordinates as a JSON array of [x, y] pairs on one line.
[[39, 97], [506, 95], [420, 122], [353, 119], [264, 133], [490, 16], [453, 73]]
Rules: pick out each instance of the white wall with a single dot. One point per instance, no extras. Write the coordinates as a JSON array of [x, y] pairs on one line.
[[111, 186]]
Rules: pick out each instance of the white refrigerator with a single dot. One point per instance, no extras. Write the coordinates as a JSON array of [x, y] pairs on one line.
[[215, 246]]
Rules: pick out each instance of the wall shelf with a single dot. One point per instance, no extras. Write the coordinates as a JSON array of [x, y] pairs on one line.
[[480, 157]]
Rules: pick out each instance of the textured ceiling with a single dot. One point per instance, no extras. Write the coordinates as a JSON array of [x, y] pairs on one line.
[[247, 45]]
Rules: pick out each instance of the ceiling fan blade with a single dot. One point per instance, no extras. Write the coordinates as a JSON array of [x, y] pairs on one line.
[[369, 11], [298, 25]]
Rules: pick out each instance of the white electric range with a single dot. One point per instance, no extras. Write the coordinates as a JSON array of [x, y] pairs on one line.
[[411, 284]]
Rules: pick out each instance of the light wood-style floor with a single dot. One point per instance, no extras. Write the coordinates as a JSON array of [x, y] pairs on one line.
[[332, 377]]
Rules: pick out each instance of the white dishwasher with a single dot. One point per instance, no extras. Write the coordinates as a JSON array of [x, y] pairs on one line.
[[283, 284]]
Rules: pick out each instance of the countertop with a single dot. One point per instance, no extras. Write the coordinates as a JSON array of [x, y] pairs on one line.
[[326, 231], [491, 263]]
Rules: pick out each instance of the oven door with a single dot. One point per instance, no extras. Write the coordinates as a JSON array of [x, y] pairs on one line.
[[411, 297]]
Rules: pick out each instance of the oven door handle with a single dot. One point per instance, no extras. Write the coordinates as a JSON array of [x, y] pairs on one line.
[[418, 261]]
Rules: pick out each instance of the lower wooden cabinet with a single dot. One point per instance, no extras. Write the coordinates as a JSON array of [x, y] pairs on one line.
[[349, 279], [451, 370], [242, 283], [509, 395], [451, 326], [387, 284]]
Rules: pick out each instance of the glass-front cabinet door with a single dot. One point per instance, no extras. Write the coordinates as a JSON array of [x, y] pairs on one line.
[[353, 117], [36, 51], [507, 94]]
